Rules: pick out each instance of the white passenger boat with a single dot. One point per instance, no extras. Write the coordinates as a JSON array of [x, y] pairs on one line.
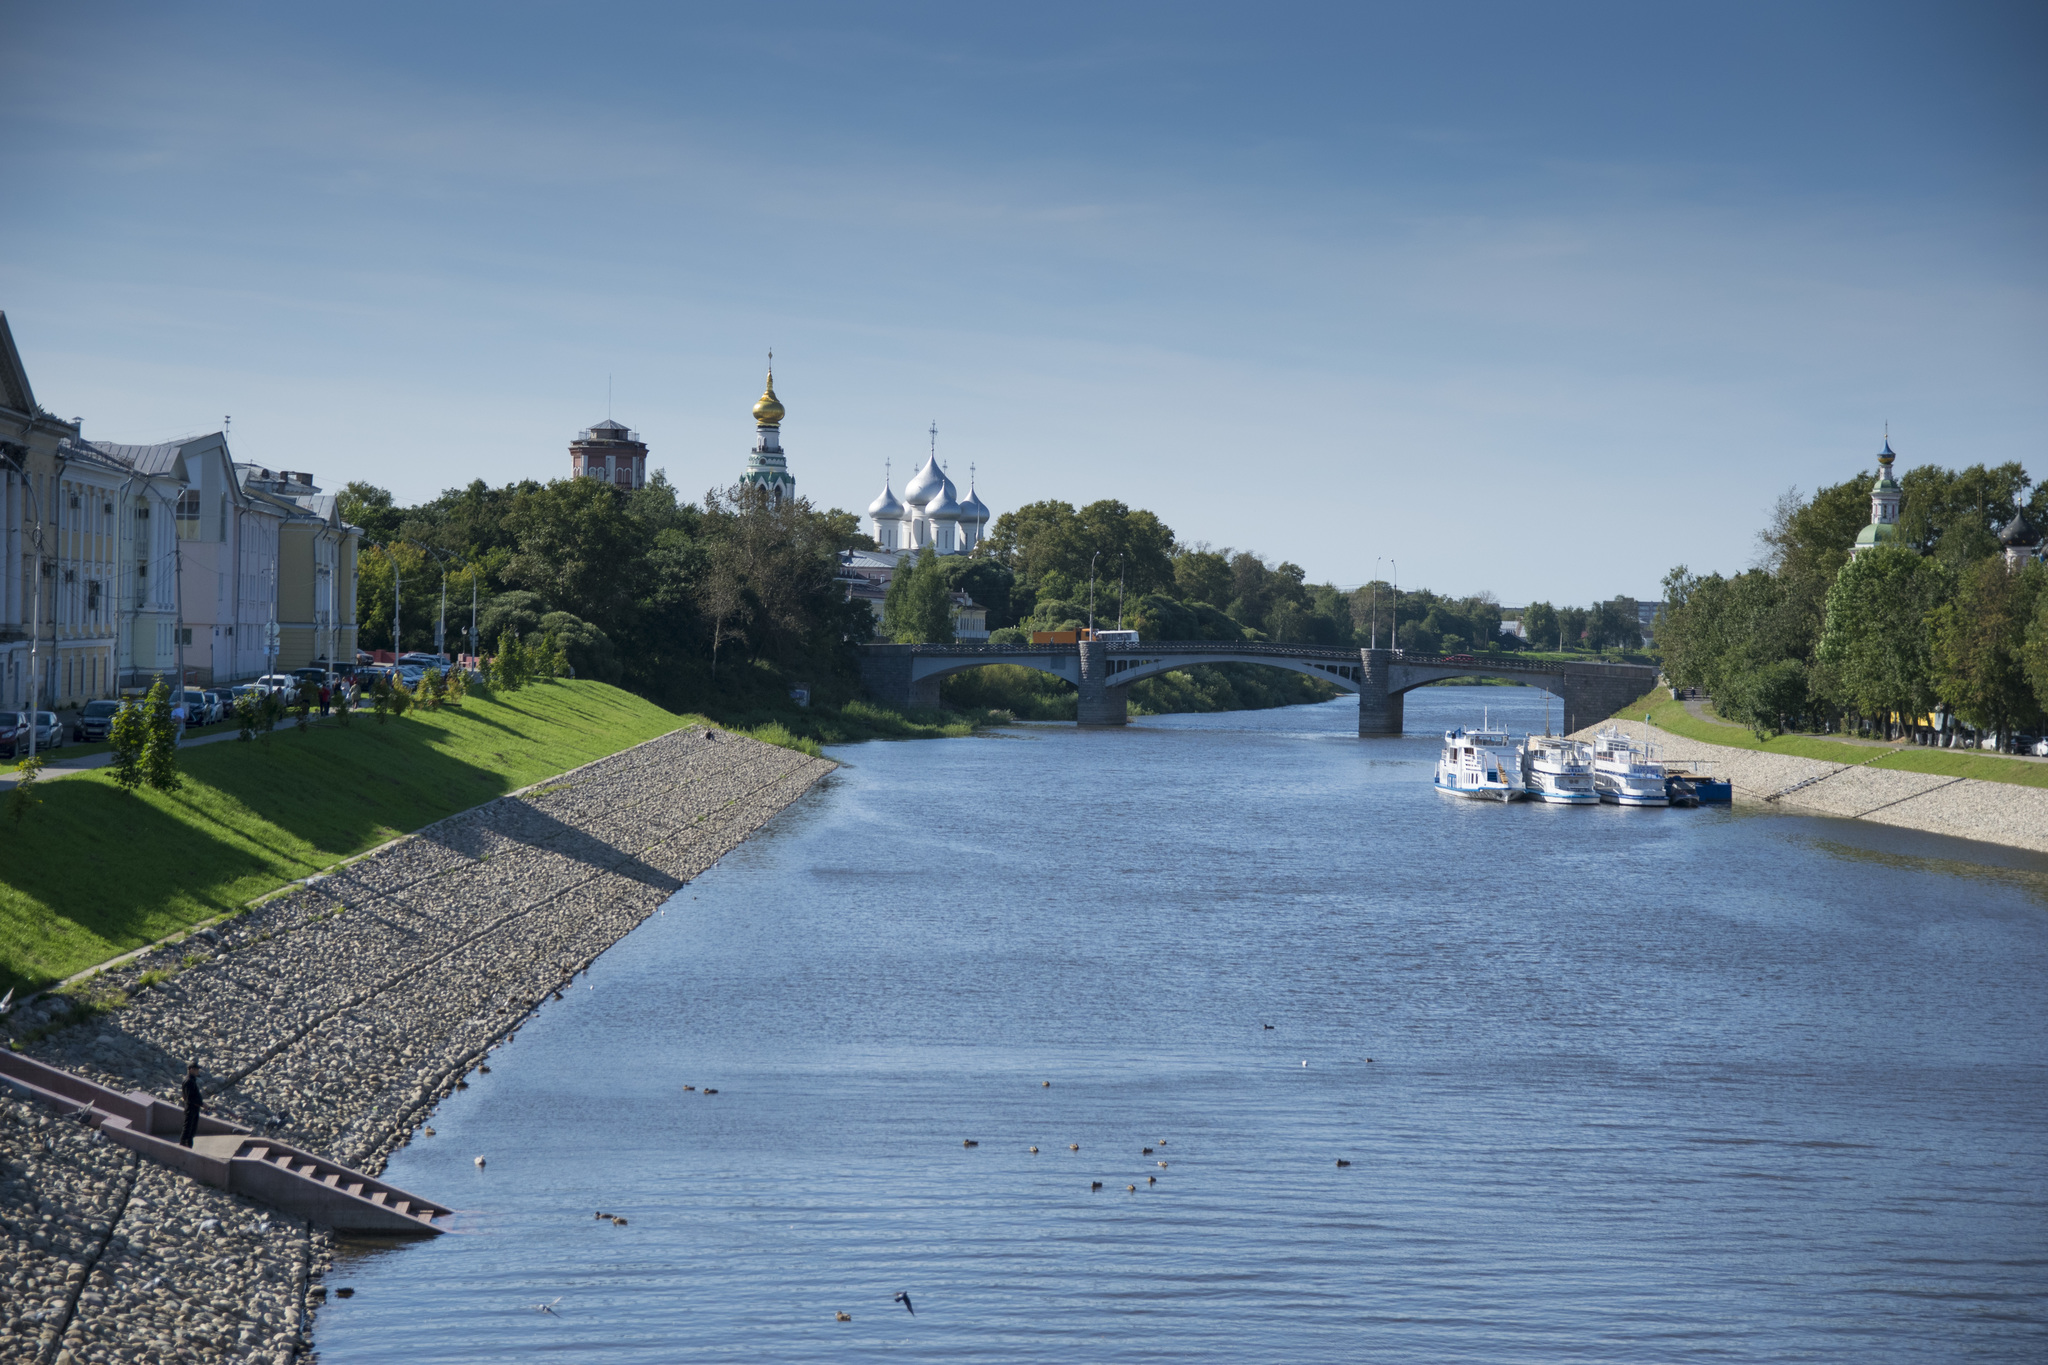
[[1560, 771], [1626, 772], [1483, 763]]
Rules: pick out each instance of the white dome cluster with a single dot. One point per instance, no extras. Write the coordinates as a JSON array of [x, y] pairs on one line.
[[929, 513]]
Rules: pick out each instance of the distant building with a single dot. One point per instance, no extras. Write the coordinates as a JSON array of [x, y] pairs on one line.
[[1885, 497], [767, 468], [2021, 541], [315, 596], [610, 452]]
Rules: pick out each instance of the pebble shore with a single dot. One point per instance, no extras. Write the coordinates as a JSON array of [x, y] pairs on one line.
[[1960, 807], [336, 1017]]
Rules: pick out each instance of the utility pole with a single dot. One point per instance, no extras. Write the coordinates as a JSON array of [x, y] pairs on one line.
[[35, 630], [441, 626], [178, 585], [476, 646], [1091, 593]]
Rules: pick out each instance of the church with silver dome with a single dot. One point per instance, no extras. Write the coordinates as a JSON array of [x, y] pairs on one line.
[[930, 512]]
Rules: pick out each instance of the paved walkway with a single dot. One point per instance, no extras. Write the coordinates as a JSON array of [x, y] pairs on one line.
[[62, 767]]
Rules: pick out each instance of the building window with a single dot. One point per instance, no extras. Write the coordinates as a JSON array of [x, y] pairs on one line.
[[188, 514], [92, 597]]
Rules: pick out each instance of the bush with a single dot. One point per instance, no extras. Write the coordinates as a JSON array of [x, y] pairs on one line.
[[129, 734], [160, 749], [775, 732], [23, 798], [248, 715]]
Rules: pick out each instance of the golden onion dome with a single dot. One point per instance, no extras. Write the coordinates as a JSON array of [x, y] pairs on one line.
[[768, 408]]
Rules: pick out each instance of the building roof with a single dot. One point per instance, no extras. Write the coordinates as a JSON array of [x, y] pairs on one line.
[[2019, 531], [146, 460], [925, 483], [887, 506], [944, 506], [1878, 533]]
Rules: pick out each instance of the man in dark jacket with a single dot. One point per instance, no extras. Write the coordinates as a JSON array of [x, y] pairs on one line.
[[193, 1107]]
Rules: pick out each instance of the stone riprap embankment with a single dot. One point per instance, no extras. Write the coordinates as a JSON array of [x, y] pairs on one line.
[[336, 1017], [1961, 807]]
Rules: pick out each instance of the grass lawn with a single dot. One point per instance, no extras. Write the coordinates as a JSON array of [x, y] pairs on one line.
[[1670, 715], [94, 871]]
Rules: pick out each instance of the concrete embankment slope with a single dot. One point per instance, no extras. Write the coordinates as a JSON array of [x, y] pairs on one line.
[[1961, 807], [336, 1017]]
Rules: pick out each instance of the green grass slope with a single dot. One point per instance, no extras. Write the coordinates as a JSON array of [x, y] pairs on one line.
[[1670, 715], [93, 871]]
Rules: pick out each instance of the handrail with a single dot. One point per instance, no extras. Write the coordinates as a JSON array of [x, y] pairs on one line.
[[1268, 649]]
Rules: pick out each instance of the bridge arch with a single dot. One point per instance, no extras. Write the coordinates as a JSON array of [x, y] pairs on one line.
[[908, 675]]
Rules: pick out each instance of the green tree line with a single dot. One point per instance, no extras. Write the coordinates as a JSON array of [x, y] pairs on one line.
[[1931, 626], [690, 605]]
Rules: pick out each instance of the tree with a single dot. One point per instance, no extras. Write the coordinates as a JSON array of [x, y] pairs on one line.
[[586, 651], [918, 608], [129, 735], [2034, 655], [1876, 642], [1202, 575], [160, 747], [1539, 619], [1979, 647], [370, 507]]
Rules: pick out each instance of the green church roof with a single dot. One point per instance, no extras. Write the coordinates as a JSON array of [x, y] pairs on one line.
[[1878, 533]]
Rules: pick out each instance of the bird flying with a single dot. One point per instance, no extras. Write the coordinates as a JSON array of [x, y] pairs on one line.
[[904, 1299]]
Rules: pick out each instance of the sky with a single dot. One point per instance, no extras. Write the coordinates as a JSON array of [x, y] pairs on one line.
[[1532, 299]]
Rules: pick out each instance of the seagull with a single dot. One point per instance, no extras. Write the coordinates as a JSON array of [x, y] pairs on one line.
[[549, 1306], [904, 1299]]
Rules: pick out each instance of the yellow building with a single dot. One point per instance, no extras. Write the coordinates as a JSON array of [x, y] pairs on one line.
[[59, 551], [316, 570]]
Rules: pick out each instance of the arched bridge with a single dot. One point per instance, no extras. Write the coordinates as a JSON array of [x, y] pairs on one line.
[[908, 675]]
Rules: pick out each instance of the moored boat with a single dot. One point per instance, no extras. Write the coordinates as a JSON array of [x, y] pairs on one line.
[[1625, 772], [1484, 763], [1560, 771]]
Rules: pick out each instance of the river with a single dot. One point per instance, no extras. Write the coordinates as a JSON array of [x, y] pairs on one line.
[[1629, 1085]]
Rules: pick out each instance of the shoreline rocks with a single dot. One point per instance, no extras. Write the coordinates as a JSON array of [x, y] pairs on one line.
[[336, 1016], [1959, 807]]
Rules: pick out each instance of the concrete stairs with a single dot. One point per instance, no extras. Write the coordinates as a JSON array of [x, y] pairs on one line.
[[228, 1155]]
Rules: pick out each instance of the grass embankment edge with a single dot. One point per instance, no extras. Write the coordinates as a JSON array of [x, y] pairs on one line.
[[1671, 716]]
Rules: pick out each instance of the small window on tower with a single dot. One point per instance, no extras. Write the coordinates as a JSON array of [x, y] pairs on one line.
[[188, 514]]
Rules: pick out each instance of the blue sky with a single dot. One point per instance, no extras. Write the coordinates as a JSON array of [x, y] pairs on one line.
[[1535, 299]]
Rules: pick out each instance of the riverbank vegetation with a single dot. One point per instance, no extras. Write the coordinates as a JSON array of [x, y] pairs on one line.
[[1899, 641], [95, 870]]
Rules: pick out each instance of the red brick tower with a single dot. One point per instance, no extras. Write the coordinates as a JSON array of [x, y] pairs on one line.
[[610, 452]]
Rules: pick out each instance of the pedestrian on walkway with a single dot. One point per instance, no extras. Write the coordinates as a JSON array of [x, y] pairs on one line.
[[193, 1105], [326, 695]]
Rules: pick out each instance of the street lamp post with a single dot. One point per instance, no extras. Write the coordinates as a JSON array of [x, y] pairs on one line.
[[1376, 600]]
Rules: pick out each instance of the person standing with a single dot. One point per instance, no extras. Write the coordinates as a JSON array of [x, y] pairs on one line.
[[193, 1105], [326, 695]]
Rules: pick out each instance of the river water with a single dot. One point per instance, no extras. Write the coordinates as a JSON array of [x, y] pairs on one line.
[[1614, 1085]]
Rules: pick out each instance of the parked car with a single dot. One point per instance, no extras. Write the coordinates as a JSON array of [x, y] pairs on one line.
[[424, 660], [198, 709], [14, 733], [95, 722], [221, 700], [281, 682]]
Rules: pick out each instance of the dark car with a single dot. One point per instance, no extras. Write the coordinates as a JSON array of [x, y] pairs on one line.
[[95, 722], [14, 733]]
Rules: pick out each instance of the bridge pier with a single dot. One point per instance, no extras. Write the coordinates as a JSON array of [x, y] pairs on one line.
[[1100, 704], [1380, 712], [1593, 692], [886, 673]]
